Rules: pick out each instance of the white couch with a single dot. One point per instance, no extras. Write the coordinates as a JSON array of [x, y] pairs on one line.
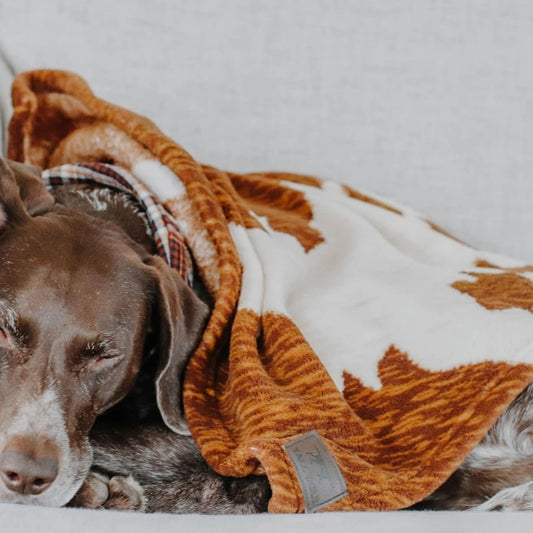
[[428, 103]]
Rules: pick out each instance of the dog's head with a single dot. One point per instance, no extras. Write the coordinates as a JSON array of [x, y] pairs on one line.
[[76, 298]]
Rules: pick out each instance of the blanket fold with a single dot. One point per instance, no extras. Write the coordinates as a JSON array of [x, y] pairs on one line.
[[334, 311]]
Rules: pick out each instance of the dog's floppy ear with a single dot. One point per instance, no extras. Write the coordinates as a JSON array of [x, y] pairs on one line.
[[22, 192], [182, 317]]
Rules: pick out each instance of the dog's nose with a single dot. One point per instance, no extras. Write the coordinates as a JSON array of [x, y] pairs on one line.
[[26, 470]]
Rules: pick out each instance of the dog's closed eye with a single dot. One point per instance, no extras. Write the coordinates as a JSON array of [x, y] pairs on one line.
[[12, 337], [6, 340], [12, 344], [15, 331], [99, 354]]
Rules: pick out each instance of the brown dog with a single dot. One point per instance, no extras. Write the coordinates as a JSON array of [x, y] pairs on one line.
[[88, 317], [94, 334]]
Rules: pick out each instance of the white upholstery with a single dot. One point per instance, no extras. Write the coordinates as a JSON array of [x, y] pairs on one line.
[[46, 520], [428, 103]]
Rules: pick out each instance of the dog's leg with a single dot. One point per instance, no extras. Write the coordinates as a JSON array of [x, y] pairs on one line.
[[499, 471], [174, 476], [519, 498], [209, 493]]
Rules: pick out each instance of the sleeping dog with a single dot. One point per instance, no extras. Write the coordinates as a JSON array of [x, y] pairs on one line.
[[95, 331]]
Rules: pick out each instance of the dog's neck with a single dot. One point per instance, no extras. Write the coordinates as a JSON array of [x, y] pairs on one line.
[[112, 206]]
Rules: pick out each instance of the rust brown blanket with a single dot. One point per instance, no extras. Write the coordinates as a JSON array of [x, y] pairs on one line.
[[334, 311]]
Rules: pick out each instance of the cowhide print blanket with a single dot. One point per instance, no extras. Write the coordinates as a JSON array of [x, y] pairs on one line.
[[334, 311]]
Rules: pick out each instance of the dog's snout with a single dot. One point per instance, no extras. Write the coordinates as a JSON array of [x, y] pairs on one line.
[[27, 475], [28, 469]]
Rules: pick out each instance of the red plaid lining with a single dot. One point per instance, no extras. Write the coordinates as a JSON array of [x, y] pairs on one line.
[[168, 240]]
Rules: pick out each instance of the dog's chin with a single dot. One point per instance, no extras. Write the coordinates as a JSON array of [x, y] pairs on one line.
[[72, 473]]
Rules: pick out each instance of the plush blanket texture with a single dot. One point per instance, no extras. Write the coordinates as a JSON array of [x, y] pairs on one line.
[[334, 310]]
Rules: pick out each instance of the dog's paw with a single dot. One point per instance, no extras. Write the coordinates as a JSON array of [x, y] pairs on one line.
[[125, 494], [118, 492], [93, 493]]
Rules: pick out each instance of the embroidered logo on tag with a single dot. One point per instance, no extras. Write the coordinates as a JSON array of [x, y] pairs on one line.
[[319, 476]]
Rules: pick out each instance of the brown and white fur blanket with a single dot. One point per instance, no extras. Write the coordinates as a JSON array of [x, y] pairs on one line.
[[334, 312]]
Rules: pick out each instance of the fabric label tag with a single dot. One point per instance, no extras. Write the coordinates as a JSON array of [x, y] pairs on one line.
[[319, 476]]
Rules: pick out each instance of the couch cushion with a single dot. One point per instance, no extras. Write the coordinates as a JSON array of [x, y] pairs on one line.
[[427, 104]]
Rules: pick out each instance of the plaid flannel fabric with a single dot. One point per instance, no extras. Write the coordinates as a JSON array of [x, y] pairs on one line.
[[168, 240]]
